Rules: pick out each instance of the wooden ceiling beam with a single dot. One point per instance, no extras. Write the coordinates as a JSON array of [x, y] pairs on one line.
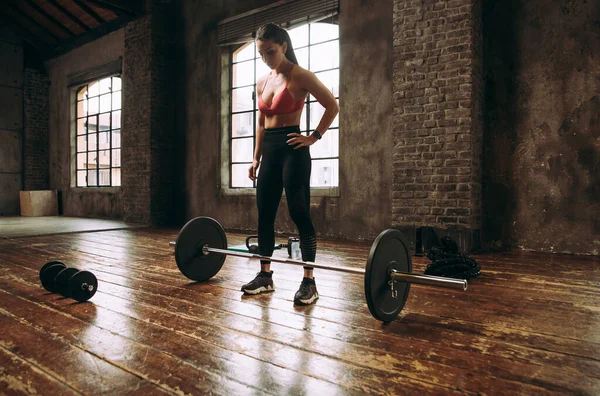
[[68, 13], [89, 11], [24, 15], [49, 17], [129, 8]]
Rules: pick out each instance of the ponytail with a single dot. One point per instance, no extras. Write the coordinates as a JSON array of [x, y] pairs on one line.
[[278, 35]]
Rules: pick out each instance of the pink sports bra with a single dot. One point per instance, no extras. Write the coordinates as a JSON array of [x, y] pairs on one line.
[[283, 103]]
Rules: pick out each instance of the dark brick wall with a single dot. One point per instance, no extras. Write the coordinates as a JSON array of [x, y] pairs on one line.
[[35, 131], [149, 139], [135, 136], [437, 114]]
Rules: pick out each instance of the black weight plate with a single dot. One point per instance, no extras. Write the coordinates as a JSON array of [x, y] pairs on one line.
[[389, 251], [82, 286], [61, 281], [188, 248], [47, 277], [48, 264]]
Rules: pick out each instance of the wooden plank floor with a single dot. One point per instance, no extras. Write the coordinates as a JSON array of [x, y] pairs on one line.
[[529, 325]]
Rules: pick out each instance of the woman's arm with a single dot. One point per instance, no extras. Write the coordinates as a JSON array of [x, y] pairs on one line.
[[309, 82], [260, 132], [315, 87]]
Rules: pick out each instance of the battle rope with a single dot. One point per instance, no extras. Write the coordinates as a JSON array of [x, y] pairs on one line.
[[448, 262]]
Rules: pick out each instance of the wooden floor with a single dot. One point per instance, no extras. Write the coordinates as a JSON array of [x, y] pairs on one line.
[[529, 325]]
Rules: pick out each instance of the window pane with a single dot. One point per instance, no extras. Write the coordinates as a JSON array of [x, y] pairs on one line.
[[320, 32], [324, 56], [116, 119], [116, 138], [81, 129], [103, 159], [116, 83], [81, 143], [244, 53], [116, 176], [328, 146], [242, 99], [92, 177], [261, 69], [104, 122], [316, 112], [331, 79], [81, 178], [104, 86], [243, 73], [94, 105], [104, 103], [116, 100], [241, 124], [82, 93], [81, 160], [116, 158], [302, 56], [92, 141], [104, 177], [242, 150], [93, 89], [324, 173], [303, 119], [92, 124], [104, 140], [299, 36], [239, 176], [82, 108]]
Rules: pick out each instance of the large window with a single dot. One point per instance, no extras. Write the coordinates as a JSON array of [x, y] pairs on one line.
[[98, 133], [317, 48]]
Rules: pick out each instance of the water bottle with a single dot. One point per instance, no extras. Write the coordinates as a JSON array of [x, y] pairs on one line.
[[295, 248]]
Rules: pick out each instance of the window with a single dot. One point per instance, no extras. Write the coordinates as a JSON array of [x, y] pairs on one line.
[[317, 48], [98, 133]]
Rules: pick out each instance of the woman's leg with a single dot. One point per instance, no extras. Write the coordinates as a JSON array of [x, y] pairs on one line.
[[296, 181]]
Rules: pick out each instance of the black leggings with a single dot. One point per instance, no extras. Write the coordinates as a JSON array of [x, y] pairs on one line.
[[284, 167]]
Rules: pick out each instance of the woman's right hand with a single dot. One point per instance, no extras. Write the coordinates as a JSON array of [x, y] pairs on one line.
[[252, 170]]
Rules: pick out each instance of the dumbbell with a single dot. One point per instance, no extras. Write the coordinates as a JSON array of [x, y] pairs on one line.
[[56, 277]]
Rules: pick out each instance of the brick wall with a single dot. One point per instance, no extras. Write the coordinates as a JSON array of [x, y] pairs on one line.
[[437, 115], [35, 131], [135, 136], [148, 144]]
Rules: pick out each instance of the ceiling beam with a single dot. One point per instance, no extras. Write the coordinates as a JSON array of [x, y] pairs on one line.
[[91, 12], [123, 7], [42, 47], [49, 17], [104, 29], [23, 15], [66, 12]]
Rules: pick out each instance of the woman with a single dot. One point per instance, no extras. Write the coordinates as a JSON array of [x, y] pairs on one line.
[[286, 161]]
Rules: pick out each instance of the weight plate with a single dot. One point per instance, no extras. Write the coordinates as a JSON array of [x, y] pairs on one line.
[[188, 248], [389, 251], [47, 277], [61, 281], [82, 286], [48, 264]]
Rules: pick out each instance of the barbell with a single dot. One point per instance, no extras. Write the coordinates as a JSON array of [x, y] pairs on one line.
[[201, 248]]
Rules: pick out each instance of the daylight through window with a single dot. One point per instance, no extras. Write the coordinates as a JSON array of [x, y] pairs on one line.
[[98, 133], [317, 48]]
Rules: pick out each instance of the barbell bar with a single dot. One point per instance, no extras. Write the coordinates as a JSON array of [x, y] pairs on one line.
[[201, 248]]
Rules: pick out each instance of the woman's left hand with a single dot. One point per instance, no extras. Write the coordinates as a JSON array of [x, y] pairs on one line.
[[300, 140]]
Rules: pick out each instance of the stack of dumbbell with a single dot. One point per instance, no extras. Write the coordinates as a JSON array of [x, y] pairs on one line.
[[68, 282]]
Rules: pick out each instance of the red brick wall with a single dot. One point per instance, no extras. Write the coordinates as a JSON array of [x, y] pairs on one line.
[[437, 114]]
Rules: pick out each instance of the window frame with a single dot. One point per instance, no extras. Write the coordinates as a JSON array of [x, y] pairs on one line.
[[74, 89], [226, 63]]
